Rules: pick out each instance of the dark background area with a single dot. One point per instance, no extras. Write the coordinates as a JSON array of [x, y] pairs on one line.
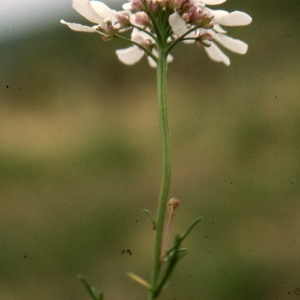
[[80, 158]]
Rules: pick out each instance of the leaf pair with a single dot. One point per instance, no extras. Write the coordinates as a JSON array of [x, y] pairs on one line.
[[173, 255]]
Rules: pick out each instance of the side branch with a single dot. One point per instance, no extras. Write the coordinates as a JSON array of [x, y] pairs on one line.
[[148, 52]]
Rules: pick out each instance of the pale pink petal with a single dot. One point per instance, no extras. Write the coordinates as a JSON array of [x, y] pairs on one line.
[[216, 54], [231, 44], [212, 2], [102, 10], [78, 27], [130, 56], [151, 62], [235, 18], [192, 35], [85, 8], [217, 14], [178, 25], [219, 29], [141, 37], [138, 36], [127, 6], [170, 58], [202, 3]]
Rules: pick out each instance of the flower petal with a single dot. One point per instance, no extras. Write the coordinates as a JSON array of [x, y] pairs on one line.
[[235, 18], [169, 58], [212, 2], [234, 45], [102, 10], [127, 6], [178, 25], [131, 55], [151, 62], [78, 27], [85, 8], [219, 29], [216, 54], [140, 37], [190, 38]]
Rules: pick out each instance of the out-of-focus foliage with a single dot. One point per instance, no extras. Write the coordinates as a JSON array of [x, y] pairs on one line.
[[80, 158]]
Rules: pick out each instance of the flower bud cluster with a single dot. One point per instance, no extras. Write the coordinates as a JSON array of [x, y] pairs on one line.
[[198, 17], [148, 6], [142, 19]]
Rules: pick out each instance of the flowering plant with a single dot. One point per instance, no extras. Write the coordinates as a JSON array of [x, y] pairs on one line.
[[163, 22], [156, 27]]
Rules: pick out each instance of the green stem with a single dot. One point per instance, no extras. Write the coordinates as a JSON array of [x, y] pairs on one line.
[[166, 164]]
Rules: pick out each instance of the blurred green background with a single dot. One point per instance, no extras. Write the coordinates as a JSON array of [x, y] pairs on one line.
[[80, 158]]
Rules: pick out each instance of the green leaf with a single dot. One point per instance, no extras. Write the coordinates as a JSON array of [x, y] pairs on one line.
[[91, 290], [172, 257], [148, 213], [194, 223], [183, 236]]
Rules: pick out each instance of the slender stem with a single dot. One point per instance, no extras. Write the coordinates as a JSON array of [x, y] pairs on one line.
[[138, 45], [182, 38], [166, 163]]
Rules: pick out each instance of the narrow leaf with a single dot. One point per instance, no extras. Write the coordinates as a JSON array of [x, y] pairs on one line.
[[91, 290], [139, 280], [148, 213]]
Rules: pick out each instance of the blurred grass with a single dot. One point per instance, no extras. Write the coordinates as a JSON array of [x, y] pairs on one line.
[[80, 159]]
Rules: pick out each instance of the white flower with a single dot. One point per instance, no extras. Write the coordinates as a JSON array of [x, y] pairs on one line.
[[107, 19], [184, 20], [235, 18], [234, 45], [217, 17]]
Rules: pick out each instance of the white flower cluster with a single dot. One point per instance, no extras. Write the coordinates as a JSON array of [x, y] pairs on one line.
[[154, 22]]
